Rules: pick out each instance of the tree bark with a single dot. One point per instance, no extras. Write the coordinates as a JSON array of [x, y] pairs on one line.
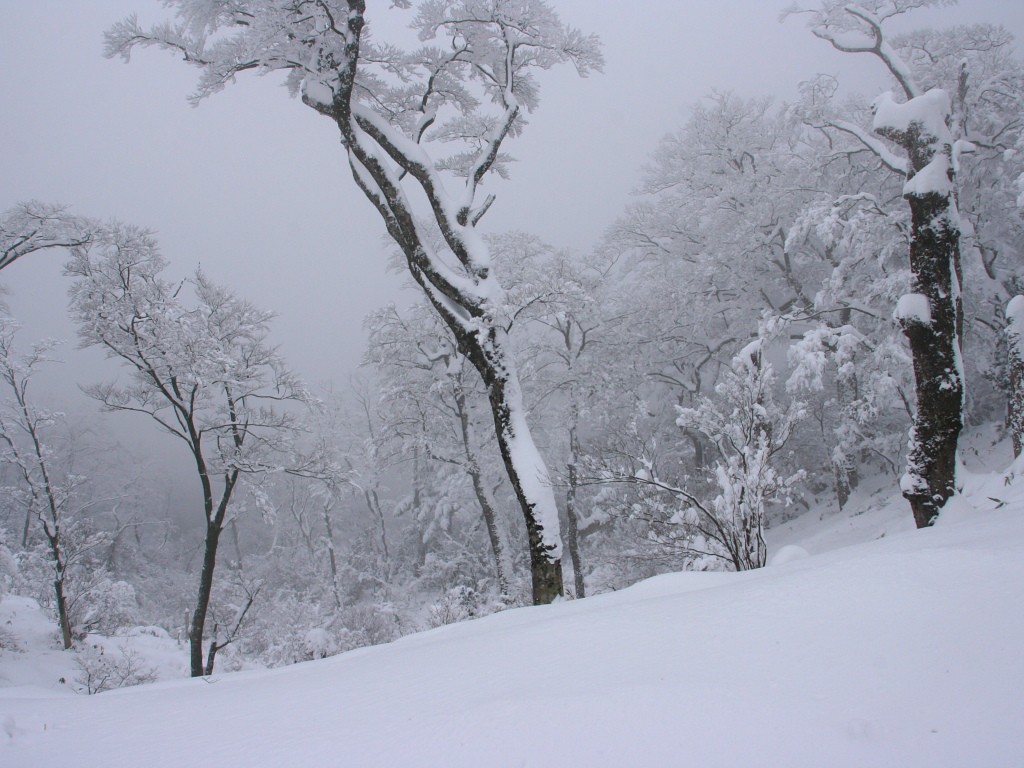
[[935, 349], [198, 625], [934, 340], [469, 315], [844, 465], [572, 535], [510, 427], [214, 528], [332, 560], [1015, 349], [62, 611]]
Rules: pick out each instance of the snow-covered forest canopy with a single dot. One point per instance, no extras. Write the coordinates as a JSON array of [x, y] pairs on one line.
[[539, 311]]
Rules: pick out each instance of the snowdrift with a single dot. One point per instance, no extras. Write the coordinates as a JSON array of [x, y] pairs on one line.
[[905, 651]]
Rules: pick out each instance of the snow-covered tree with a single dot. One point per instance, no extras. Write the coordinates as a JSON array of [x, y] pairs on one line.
[[35, 226], [434, 412], [45, 493], [570, 342], [749, 432], [931, 313], [54, 488], [395, 110], [203, 370]]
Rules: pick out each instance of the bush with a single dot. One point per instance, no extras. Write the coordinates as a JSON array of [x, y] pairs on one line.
[[100, 671]]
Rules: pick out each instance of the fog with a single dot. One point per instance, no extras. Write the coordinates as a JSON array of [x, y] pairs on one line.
[[254, 187]]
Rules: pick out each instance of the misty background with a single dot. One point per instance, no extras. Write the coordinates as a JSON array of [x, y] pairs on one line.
[[255, 189]]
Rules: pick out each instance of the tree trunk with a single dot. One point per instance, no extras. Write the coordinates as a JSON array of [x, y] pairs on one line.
[[480, 337], [934, 337], [844, 464], [522, 460], [572, 536], [196, 630], [845, 476], [934, 346], [491, 523], [211, 655], [332, 559], [1015, 345], [373, 504], [62, 611], [486, 351]]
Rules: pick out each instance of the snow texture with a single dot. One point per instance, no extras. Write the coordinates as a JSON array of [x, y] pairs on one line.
[[900, 651], [533, 477], [928, 113], [913, 308]]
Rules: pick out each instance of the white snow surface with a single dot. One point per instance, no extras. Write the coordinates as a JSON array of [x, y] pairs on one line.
[[902, 650], [929, 110], [913, 307]]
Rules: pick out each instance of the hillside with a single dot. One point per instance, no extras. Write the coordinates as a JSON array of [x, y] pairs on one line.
[[899, 651]]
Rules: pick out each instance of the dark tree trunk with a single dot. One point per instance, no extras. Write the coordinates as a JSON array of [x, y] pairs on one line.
[[844, 466], [62, 611], [198, 626], [1015, 350], [493, 536], [53, 538], [934, 347], [845, 474], [467, 314], [211, 655], [934, 340], [487, 354], [332, 560], [214, 528]]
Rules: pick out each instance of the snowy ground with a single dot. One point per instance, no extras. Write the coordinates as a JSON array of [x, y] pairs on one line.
[[902, 650]]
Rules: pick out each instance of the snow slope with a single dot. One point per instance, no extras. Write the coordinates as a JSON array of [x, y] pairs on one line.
[[903, 651]]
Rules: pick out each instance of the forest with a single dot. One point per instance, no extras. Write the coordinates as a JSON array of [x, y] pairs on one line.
[[806, 302]]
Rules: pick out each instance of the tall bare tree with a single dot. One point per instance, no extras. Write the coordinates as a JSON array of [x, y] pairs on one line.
[[202, 370]]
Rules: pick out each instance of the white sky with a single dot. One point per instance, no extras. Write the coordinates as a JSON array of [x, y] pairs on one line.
[[254, 186]]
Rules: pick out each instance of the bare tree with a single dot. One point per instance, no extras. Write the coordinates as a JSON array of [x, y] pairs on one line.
[[203, 372], [471, 90], [23, 444], [40, 447]]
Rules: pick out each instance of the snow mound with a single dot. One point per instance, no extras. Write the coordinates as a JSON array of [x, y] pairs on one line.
[[787, 554]]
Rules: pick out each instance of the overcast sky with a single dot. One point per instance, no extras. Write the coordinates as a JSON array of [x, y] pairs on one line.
[[254, 186]]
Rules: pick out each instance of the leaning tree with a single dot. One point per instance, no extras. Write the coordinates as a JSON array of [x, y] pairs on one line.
[[395, 111]]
